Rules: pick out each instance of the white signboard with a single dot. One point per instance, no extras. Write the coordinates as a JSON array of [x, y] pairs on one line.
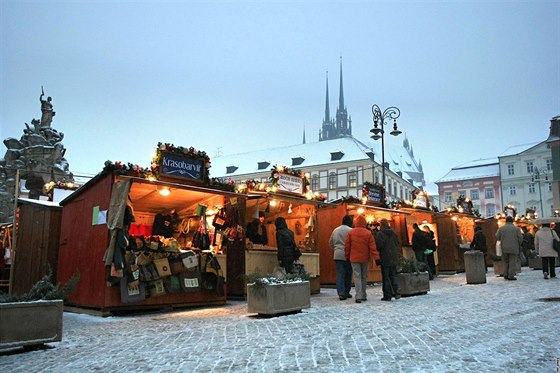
[[289, 183], [420, 201]]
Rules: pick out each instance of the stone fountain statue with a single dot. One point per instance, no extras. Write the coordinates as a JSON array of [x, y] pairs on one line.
[[39, 157]]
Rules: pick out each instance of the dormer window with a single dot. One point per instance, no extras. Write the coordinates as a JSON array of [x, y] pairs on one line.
[[263, 165], [297, 161], [231, 169], [335, 156]]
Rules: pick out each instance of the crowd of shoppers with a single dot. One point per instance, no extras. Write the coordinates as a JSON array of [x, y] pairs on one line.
[[355, 244]]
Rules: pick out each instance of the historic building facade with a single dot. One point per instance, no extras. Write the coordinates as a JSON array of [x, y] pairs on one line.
[[337, 165], [526, 179], [477, 180]]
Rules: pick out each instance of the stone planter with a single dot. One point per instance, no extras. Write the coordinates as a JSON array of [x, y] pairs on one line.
[[475, 269], [278, 298], [414, 284], [30, 323]]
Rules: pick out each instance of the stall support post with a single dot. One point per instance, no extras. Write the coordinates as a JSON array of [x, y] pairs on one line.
[[14, 236]]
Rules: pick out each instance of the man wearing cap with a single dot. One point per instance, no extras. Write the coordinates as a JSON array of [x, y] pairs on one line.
[[511, 238], [389, 248], [343, 266]]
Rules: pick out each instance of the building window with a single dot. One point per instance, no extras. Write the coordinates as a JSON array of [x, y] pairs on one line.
[[531, 187], [332, 180], [489, 193], [231, 169], [474, 194], [530, 167], [549, 164], [390, 185], [448, 196], [512, 190], [462, 193], [315, 183], [335, 156], [352, 179], [490, 210], [549, 187], [402, 192], [510, 170], [263, 165], [376, 178]]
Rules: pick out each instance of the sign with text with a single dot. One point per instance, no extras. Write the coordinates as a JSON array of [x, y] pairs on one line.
[[420, 201], [177, 165], [290, 183], [375, 195]]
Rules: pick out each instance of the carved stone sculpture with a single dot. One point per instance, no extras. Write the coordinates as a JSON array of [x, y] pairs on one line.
[[39, 157]]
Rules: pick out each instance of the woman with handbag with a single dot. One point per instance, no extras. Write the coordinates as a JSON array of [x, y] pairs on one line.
[[288, 252], [544, 246]]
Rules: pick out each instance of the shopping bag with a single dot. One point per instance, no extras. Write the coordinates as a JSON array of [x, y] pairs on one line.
[[162, 266]]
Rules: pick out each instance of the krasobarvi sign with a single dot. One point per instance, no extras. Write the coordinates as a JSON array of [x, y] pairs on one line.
[[181, 166]]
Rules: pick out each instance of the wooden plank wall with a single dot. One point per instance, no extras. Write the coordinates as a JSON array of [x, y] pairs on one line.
[[328, 219], [82, 244], [36, 245]]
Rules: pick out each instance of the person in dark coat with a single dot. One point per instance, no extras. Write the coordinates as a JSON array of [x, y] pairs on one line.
[[527, 246], [389, 248], [419, 245], [430, 250], [479, 242], [287, 248], [256, 230]]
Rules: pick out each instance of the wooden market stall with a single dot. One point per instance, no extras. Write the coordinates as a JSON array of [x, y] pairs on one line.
[[286, 197], [453, 231], [178, 230], [444, 235], [6, 254], [330, 218], [36, 245]]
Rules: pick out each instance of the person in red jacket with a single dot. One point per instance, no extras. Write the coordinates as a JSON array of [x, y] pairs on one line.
[[360, 249]]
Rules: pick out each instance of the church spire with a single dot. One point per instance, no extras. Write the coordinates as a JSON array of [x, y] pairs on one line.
[[341, 94], [327, 109]]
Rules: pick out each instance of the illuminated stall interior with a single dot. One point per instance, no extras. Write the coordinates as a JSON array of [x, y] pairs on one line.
[[301, 217]]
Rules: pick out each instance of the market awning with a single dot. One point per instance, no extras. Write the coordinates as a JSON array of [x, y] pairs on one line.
[[181, 197]]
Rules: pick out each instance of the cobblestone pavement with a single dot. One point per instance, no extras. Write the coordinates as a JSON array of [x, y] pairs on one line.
[[500, 326]]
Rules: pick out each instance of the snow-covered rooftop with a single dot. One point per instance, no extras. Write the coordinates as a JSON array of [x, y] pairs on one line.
[[516, 149], [334, 151], [473, 172]]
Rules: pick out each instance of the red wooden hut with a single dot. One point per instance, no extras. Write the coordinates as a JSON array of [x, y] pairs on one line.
[[85, 236]]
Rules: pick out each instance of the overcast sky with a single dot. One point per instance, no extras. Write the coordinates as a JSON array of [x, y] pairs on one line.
[[471, 78]]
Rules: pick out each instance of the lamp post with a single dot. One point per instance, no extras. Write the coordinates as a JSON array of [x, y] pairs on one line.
[[536, 177], [378, 130]]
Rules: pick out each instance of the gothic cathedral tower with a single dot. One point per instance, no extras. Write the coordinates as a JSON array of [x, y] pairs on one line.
[[342, 125]]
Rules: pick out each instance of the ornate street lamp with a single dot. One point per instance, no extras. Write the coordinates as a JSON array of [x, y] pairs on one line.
[[378, 130]]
